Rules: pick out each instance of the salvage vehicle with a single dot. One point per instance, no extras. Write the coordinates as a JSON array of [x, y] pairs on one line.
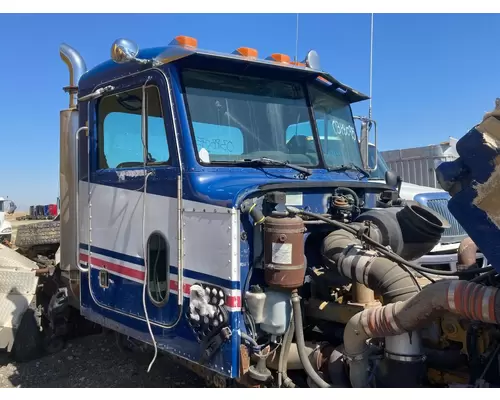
[[444, 255], [190, 224], [5, 226]]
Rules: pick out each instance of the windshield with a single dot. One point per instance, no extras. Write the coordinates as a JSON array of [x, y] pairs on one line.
[[336, 129], [382, 167], [1, 205], [238, 117]]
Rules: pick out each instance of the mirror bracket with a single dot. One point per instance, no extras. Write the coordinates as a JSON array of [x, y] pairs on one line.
[[98, 93], [366, 124]]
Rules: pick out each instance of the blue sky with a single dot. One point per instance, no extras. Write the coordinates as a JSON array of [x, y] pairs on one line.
[[434, 75]]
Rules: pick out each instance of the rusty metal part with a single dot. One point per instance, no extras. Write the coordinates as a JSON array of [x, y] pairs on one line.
[[284, 259], [244, 379], [211, 378], [466, 299], [467, 252], [320, 363], [331, 311], [318, 354], [244, 361], [341, 202], [322, 356]]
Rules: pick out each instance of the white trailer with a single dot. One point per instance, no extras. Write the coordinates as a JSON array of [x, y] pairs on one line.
[[418, 165]]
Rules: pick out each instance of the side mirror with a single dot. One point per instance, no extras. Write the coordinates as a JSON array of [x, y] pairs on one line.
[[124, 51], [393, 180]]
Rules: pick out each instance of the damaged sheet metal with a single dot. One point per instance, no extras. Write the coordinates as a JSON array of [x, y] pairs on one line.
[[18, 284], [473, 181]]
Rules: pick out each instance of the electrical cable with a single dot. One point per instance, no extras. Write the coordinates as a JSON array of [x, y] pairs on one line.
[[180, 288], [148, 322]]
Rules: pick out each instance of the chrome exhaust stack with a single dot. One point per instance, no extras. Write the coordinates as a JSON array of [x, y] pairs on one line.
[[76, 66], [68, 176]]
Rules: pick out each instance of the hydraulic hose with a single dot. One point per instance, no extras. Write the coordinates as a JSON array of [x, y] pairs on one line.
[[301, 348], [469, 300]]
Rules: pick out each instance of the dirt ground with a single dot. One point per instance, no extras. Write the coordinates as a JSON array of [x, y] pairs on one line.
[[96, 361], [93, 361]]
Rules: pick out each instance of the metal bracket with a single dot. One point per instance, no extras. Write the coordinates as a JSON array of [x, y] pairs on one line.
[[212, 345], [97, 93]]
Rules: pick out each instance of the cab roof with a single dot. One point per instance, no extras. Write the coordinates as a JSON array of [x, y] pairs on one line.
[[183, 50]]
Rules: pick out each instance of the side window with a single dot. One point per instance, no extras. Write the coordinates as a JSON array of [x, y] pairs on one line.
[[119, 130], [158, 268]]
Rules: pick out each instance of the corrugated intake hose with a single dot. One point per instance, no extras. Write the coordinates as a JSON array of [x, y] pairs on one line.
[[466, 299], [341, 250]]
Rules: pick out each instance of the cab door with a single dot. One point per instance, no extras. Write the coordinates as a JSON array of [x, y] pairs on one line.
[[129, 206]]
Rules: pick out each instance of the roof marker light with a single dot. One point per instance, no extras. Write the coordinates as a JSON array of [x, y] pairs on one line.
[[297, 63], [246, 52], [185, 41], [323, 80], [278, 57]]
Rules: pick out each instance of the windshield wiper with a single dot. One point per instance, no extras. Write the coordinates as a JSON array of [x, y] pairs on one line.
[[349, 167], [270, 161]]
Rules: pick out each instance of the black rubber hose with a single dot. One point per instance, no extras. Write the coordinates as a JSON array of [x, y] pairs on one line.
[[384, 251], [301, 347], [483, 277], [386, 277]]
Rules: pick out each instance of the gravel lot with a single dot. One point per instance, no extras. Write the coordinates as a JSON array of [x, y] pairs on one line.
[[96, 361]]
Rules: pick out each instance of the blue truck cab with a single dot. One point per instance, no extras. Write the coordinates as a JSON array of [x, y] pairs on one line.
[[178, 170]]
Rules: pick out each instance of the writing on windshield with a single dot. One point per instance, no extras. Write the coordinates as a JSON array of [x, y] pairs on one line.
[[218, 139], [336, 129]]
